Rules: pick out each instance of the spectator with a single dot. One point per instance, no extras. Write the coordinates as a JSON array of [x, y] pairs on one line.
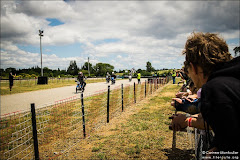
[[174, 76], [212, 68], [11, 80], [188, 103], [191, 90], [139, 78], [184, 79]]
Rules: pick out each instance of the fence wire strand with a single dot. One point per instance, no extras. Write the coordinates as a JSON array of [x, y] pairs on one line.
[[59, 125]]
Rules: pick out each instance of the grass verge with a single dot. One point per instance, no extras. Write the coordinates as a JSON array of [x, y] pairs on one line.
[[140, 132], [21, 86]]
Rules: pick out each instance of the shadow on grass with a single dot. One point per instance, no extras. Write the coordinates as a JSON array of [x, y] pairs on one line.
[[178, 154]]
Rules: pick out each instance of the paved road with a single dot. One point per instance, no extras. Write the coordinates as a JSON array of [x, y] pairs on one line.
[[42, 98]]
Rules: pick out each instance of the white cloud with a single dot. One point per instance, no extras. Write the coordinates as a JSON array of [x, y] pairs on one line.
[[147, 30], [21, 59]]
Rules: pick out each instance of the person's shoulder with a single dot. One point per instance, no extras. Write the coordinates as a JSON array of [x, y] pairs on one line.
[[222, 83], [222, 80], [218, 81]]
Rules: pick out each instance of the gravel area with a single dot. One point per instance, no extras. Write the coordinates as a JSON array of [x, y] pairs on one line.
[[42, 98]]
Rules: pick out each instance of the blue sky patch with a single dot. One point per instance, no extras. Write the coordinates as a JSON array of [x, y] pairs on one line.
[[70, 50], [233, 41], [54, 22], [29, 48]]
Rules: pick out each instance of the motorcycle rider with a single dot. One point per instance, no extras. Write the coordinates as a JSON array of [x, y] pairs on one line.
[[130, 77], [108, 77], [81, 78], [113, 77]]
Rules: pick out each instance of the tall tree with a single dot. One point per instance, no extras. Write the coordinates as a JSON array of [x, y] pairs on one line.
[[85, 67], [73, 68], [149, 67], [237, 51], [102, 68]]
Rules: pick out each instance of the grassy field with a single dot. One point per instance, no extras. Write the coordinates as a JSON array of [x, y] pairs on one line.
[[140, 132], [21, 86]]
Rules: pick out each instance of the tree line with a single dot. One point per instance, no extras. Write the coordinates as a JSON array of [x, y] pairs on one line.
[[98, 70]]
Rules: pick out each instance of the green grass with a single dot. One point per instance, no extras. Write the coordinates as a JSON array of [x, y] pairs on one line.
[[144, 134], [140, 132], [21, 86]]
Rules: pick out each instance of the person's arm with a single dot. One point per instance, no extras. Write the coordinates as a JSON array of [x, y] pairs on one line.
[[180, 121], [197, 121], [177, 100], [193, 96], [181, 94]]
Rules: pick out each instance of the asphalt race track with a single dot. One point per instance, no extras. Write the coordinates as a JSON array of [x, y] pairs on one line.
[[43, 98]]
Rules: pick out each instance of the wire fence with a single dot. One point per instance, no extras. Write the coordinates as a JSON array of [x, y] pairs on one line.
[[29, 82], [60, 126]]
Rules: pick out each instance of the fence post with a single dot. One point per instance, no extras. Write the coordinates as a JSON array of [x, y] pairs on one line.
[[108, 99], [122, 97], [151, 87], [174, 133], [34, 130], [145, 88], [134, 93], [154, 84], [83, 116]]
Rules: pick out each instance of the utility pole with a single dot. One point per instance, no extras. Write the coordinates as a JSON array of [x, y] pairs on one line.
[[88, 68], [41, 35]]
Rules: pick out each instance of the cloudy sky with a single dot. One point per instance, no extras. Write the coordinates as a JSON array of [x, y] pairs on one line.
[[125, 34]]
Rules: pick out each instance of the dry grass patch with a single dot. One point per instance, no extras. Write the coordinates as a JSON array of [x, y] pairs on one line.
[[140, 132], [21, 86]]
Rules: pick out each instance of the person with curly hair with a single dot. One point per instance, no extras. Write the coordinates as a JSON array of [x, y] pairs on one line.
[[212, 68]]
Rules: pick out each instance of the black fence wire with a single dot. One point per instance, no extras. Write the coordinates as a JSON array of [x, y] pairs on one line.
[[46, 133]]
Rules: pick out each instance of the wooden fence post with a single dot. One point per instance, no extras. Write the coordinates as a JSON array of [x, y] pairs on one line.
[[134, 89], [108, 99], [122, 97], [34, 131], [83, 116], [145, 88]]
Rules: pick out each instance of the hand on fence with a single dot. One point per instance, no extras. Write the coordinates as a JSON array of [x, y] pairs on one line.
[[178, 100], [179, 122], [180, 94]]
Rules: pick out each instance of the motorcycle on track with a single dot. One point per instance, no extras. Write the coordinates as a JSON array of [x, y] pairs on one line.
[[113, 80], [130, 78], [79, 87], [107, 79]]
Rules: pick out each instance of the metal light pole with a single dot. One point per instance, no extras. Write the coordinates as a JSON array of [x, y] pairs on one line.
[[41, 35], [88, 68]]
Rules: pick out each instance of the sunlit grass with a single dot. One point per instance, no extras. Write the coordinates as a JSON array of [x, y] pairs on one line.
[[144, 134], [141, 131], [21, 86]]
